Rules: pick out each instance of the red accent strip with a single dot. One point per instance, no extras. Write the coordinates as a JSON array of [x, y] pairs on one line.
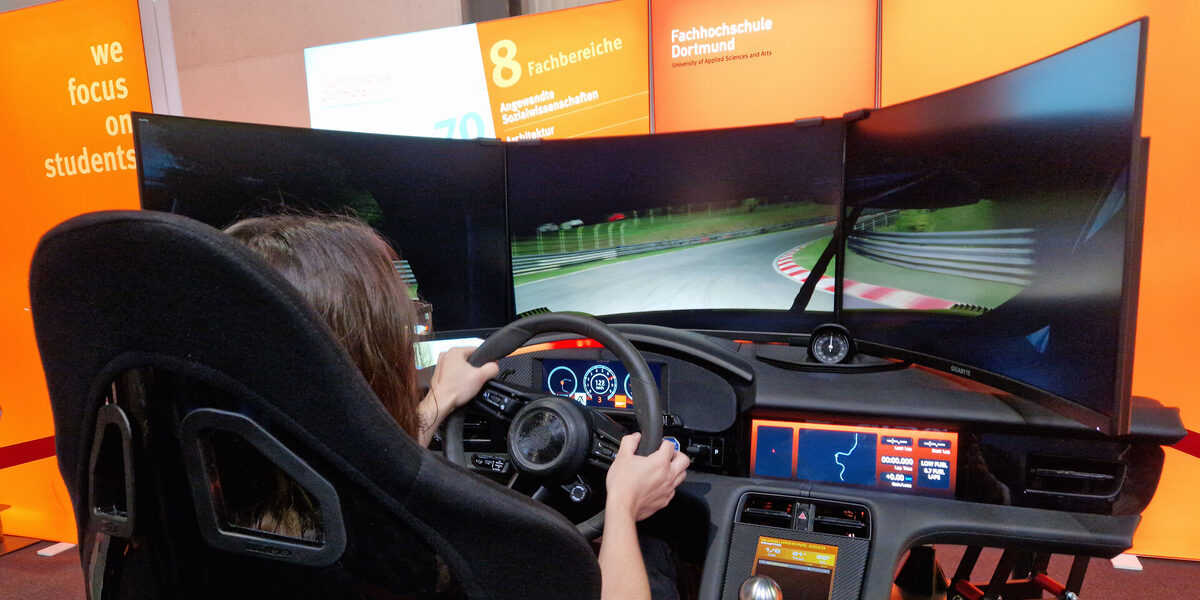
[[968, 590], [1043, 581], [19, 454], [1189, 444], [558, 345]]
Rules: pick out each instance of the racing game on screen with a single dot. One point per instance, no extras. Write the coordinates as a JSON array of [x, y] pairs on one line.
[[996, 225], [672, 222]]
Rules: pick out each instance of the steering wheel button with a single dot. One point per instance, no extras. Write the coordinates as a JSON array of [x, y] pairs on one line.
[[604, 449], [490, 463]]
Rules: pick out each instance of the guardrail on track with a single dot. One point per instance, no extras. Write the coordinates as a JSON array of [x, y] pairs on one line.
[[1000, 255], [875, 220], [523, 265]]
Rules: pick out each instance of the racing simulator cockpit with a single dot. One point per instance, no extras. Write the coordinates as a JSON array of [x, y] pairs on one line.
[[908, 326]]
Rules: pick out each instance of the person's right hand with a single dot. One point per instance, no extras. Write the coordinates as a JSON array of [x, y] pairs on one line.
[[641, 485]]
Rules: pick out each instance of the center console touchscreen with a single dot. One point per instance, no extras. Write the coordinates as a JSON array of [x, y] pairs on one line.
[[595, 384], [911, 461], [803, 570]]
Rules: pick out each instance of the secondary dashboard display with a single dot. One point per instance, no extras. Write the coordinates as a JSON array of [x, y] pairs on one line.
[[900, 460], [596, 384], [802, 570]]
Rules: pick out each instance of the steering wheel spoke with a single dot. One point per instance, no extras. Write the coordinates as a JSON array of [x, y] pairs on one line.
[[606, 440], [503, 400]]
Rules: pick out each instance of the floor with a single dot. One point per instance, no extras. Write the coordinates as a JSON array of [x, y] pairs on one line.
[[1158, 578], [24, 575]]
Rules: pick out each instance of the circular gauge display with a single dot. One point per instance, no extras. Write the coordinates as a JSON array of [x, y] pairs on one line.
[[562, 382], [600, 382], [831, 344], [628, 390]]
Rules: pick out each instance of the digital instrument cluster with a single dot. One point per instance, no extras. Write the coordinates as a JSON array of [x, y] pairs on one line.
[[595, 384]]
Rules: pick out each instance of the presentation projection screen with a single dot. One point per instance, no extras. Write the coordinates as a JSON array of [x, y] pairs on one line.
[[571, 73]]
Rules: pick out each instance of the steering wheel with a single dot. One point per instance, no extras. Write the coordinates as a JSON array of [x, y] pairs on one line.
[[549, 437]]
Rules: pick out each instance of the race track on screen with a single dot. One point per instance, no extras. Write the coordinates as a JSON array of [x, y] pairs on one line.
[[737, 274]]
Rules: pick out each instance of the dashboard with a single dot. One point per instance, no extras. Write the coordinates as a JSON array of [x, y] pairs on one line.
[[825, 480]]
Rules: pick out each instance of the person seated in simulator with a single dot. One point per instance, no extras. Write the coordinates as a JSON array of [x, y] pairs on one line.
[[346, 271]]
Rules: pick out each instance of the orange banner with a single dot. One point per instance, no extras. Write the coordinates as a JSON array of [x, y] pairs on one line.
[[73, 71], [573, 73], [730, 64]]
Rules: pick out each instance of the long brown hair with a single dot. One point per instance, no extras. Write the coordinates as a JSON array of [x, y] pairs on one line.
[[347, 272]]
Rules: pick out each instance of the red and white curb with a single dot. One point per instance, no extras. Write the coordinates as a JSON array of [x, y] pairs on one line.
[[895, 298]]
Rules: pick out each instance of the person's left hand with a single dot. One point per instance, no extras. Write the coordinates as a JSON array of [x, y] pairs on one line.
[[455, 381]]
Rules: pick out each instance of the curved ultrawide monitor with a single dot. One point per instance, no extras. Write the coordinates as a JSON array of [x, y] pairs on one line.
[[687, 229], [439, 202], [994, 230]]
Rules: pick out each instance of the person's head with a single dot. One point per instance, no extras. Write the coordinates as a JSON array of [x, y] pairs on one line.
[[347, 272]]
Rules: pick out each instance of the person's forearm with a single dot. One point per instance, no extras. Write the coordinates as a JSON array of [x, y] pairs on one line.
[[622, 570], [429, 418]]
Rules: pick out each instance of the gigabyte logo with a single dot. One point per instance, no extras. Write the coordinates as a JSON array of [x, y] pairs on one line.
[[960, 371], [262, 549]]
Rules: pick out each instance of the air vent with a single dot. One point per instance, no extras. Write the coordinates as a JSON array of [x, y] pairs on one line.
[[1073, 477], [477, 432], [818, 516], [850, 520], [773, 511]]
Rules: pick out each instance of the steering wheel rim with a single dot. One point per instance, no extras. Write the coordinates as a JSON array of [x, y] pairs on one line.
[[648, 409]]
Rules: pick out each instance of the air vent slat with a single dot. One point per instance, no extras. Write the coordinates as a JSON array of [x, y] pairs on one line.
[[1073, 476]]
